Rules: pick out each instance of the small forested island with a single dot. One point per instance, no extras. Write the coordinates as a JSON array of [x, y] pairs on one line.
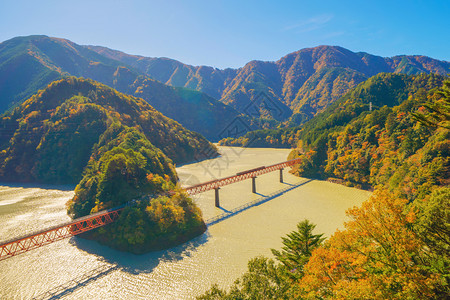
[[130, 169], [117, 149]]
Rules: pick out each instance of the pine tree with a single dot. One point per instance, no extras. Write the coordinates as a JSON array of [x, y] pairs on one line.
[[298, 246]]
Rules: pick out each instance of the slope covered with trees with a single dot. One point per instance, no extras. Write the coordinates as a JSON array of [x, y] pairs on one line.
[[118, 149], [397, 244], [50, 137], [28, 64], [302, 83], [385, 146], [381, 90], [125, 168], [388, 250]]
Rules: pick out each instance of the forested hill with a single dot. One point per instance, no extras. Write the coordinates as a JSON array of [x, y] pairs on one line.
[[384, 89], [304, 82], [30, 63], [52, 135], [386, 146], [194, 110]]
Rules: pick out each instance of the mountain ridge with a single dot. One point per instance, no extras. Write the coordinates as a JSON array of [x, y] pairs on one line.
[[280, 93], [28, 64], [306, 81], [383, 89]]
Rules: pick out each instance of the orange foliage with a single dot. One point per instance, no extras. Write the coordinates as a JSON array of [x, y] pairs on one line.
[[378, 256]]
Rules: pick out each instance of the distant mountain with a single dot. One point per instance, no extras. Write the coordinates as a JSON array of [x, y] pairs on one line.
[[302, 83], [28, 64], [209, 80], [52, 136]]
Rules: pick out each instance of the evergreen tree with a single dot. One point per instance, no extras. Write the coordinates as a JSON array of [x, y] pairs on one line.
[[438, 109], [298, 246]]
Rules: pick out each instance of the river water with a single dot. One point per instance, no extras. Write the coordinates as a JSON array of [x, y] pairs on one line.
[[79, 269]]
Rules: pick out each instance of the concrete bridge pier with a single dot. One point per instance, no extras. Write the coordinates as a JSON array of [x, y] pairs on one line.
[[254, 185], [217, 202], [281, 175]]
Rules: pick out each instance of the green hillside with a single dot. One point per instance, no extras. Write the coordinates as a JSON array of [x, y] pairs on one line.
[[118, 149], [28, 64], [50, 137]]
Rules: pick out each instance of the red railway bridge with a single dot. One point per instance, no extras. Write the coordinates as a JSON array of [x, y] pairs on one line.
[[253, 173], [32, 241]]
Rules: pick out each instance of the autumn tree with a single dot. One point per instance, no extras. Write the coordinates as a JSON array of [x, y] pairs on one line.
[[378, 256], [433, 227], [438, 109]]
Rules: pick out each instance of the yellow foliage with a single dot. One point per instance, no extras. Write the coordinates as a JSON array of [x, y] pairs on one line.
[[378, 256]]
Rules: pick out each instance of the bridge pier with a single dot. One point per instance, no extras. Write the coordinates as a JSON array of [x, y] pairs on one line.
[[281, 175], [217, 202], [254, 185]]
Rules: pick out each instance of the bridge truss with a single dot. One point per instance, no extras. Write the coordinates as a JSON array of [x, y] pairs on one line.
[[45, 237], [217, 183]]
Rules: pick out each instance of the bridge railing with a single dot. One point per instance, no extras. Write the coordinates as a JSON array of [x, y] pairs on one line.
[[217, 183], [23, 244]]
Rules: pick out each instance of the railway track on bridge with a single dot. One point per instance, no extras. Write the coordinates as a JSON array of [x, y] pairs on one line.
[[44, 237], [217, 183]]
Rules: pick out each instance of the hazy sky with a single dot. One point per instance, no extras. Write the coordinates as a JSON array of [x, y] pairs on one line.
[[231, 33]]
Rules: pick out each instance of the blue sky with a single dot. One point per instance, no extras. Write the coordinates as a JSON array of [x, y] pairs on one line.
[[231, 33]]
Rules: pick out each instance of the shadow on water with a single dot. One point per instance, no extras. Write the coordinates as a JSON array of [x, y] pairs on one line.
[[80, 281], [225, 210], [116, 260], [139, 263], [227, 213]]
